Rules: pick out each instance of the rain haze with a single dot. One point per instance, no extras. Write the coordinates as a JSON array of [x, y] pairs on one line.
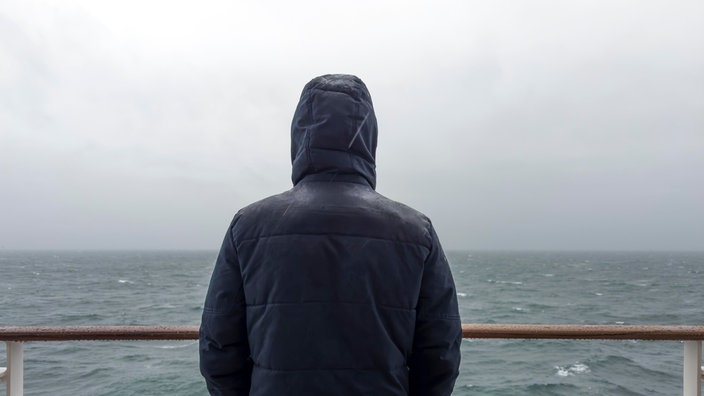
[[512, 124]]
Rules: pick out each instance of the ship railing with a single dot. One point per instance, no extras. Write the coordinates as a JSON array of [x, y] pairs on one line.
[[691, 336]]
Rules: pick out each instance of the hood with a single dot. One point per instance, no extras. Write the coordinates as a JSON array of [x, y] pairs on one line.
[[334, 129]]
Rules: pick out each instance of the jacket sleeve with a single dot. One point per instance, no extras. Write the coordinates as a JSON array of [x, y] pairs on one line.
[[224, 350], [435, 358]]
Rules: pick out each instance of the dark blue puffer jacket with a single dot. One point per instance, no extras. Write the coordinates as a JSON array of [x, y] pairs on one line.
[[330, 288]]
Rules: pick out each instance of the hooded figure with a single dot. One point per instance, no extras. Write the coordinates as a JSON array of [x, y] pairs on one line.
[[329, 287]]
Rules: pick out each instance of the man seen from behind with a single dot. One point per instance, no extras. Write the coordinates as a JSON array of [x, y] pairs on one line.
[[330, 288]]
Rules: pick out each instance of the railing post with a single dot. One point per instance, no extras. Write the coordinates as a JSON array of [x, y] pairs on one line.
[[692, 376], [14, 376]]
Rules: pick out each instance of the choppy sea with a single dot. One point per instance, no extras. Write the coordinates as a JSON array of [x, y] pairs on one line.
[[144, 288]]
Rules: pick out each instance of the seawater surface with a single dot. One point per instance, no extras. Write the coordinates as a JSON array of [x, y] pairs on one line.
[[146, 288]]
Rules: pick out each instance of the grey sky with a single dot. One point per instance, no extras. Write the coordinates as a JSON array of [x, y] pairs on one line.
[[512, 124]]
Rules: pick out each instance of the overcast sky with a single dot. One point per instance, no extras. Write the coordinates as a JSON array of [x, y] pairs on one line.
[[512, 124]]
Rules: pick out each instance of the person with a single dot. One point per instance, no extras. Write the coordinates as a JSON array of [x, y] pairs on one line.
[[330, 288]]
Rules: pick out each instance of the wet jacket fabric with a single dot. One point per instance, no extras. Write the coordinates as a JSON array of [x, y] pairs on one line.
[[330, 288]]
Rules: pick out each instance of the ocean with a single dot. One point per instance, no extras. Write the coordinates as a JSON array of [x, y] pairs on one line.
[[65, 288]]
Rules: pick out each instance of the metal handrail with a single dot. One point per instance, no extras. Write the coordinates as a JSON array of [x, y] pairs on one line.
[[473, 330], [96, 333], [584, 332], [692, 336]]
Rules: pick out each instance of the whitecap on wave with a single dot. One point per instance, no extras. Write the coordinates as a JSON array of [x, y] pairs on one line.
[[502, 282], [178, 346], [577, 368]]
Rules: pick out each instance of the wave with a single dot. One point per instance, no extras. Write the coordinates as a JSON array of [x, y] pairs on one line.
[[574, 369], [503, 282]]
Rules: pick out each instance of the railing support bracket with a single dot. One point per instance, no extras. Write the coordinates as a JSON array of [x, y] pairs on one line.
[[13, 374], [692, 375]]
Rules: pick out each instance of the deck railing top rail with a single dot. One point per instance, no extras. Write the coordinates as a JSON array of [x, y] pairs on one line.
[[584, 332], [514, 331], [95, 333]]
